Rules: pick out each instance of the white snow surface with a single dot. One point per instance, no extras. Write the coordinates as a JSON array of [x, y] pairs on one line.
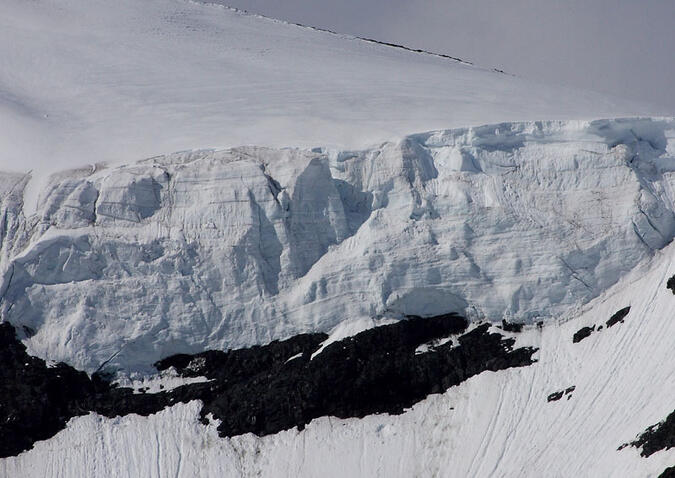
[[222, 249], [497, 424], [85, 81]]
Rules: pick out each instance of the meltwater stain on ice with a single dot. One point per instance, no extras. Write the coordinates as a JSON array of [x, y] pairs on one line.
[[262, 389]]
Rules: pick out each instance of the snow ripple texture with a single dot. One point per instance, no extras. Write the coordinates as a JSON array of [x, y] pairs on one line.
[[216, 249]]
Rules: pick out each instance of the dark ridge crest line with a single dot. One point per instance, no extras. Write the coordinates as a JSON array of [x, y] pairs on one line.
[[356, 37]]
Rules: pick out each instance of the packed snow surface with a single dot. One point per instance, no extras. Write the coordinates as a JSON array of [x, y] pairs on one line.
[[84, 81], [221, 249], [497, 424]]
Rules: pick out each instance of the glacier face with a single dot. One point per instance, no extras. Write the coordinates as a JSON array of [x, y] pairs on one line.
[[216, 249]]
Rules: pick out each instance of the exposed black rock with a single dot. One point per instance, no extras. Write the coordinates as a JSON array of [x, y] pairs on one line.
[[377, 371], [656, 438], [668, 472], [241, 364], [618, 317], [555, 396], [511, 326], [582, 333], [35, 401], [671, 284], [263, 389]]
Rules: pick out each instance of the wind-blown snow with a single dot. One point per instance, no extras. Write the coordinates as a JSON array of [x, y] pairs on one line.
[[217, 249], [495, 424], [85, 81]]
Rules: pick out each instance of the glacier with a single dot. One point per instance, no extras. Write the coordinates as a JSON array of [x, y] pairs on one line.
[[182, 177], [215, 249]]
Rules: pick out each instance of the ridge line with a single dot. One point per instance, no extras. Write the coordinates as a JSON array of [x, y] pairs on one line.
[[348, 36]]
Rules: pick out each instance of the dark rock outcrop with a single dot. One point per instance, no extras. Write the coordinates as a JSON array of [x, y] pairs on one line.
[[555, 396], [657, 437], [262, 389], [582, 333], [668, 472], [618, 317], [511, 326], [36, 401]]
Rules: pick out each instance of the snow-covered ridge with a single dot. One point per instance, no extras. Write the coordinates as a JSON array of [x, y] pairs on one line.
[[216, 249], [341, 35], [98, 80]]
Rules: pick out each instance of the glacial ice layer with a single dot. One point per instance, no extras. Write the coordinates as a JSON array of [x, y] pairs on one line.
[[121, 266]]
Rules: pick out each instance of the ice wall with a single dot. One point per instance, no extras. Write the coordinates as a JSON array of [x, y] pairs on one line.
[[217, 249]]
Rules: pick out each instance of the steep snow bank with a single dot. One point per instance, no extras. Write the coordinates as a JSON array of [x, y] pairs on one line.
[[217, 249], [495, 424]]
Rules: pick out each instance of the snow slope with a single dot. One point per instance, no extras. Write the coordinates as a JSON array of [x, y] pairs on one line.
[[85, 81], [495, 424], [218, 249]]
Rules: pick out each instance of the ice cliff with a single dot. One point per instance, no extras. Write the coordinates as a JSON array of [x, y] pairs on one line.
[[215, 249]]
